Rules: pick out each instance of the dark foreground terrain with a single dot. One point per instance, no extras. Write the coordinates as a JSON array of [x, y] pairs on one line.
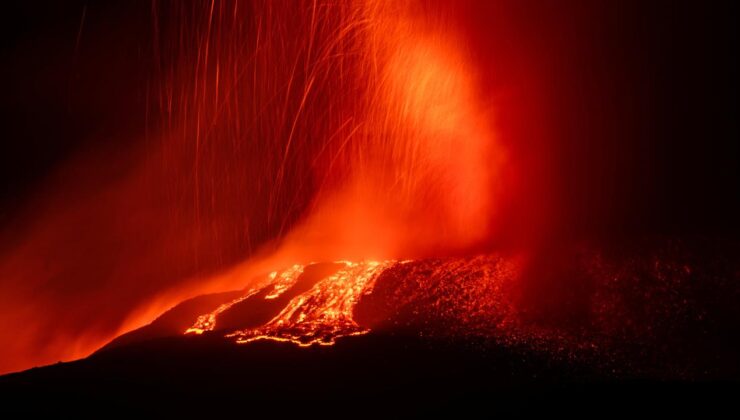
[[358, 377]]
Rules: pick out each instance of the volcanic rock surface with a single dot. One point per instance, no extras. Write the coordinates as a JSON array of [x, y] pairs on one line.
[[451, 330]]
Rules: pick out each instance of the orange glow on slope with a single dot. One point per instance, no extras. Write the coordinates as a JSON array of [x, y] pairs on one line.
[[286, 280], [317, 316], [457, 297]]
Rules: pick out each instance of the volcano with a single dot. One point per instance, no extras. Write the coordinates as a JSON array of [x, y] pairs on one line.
[[381, 208], [462, 332]]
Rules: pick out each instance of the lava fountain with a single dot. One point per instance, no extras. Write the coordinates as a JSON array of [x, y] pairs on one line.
[[414, 174], [279, 133]]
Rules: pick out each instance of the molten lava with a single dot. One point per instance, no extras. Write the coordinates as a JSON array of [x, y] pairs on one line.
[[318, 316], [320, 302]]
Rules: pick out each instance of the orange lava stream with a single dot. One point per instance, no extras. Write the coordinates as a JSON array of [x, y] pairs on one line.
[[317, 316]]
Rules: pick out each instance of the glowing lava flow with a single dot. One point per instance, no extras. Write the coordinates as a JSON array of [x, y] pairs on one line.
[[317, 316], [280, 284]]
